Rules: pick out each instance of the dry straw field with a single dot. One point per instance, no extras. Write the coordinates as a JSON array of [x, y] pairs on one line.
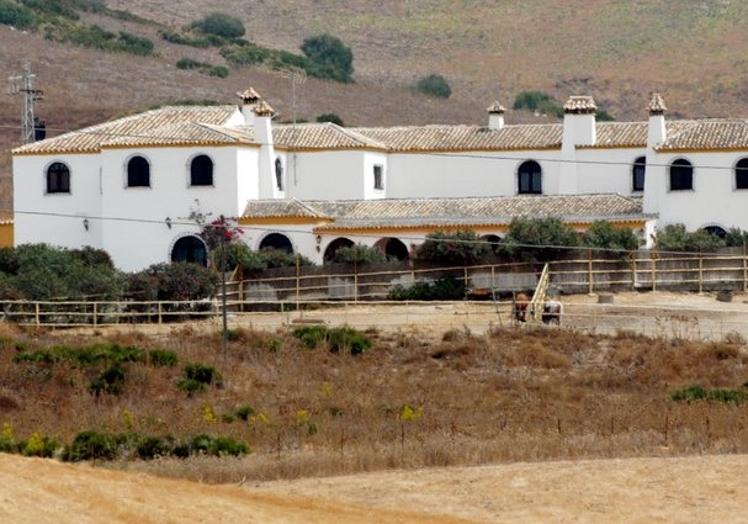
[[410, 400]]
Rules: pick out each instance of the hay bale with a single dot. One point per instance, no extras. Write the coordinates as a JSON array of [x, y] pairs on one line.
[[724, 296]]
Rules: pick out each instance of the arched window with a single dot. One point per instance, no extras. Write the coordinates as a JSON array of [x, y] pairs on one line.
[[190, 249], [393, 248], [277, 241], [717, 231], [201, 171], [741, 174], [138, 172], [333, 247], [493, 240], [529, 177], [681, 175], [279, 174], [58, 178], [637, 173]]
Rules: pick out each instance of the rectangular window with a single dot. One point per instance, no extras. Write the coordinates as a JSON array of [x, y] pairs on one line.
[[741, 178], [378, 177]]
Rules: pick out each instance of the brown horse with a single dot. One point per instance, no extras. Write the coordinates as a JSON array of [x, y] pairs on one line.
[[521, 303]]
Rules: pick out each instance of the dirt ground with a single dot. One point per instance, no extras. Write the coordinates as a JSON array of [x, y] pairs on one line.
[[682, 315], [692, 489]]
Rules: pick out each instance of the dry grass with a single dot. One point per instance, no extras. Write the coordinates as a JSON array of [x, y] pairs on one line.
[[512, 395]]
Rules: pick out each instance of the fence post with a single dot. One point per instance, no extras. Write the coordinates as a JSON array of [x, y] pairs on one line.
[[653, 258], [160, 317], [745, 269], [298, 281], [465, 275], [355, 284], [95, 310], [493, 280], [634, 256], [241, 293], [36, 313], [590, 282], [701, 272]]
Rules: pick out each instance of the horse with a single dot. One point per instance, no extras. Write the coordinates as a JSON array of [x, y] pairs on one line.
[[552, 311], [521, 304]]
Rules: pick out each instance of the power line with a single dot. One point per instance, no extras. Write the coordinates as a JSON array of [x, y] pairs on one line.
[[182, 222]]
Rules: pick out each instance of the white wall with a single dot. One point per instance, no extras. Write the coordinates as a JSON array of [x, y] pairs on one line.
[[613, 176], [29, 194], [465, 174], [326, 175], [136, 245], [713, 200]]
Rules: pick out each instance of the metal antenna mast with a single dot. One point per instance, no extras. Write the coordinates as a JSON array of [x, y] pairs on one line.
[[298, 77], [24, 85]]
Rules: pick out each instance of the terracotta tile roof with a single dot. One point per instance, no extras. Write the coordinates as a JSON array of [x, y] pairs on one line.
[[322, 136], [708, 135], [496, 108], [90, 139], [465, 138], [262, 108], [281, 208], [629, 134], [187, 133], [580, 105], [440, 212], [248, 96]]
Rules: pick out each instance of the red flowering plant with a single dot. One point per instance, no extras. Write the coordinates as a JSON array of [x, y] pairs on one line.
[[220, 231]]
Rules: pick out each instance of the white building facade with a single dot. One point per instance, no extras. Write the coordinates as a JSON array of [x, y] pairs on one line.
[[134, 186]]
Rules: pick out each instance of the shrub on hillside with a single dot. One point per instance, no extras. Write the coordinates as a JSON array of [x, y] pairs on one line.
[[16, 15], [538, 101], [328, 50], [603, 234], [220, 24], [359, 254], [174, 37], [675, 237], [173, 282], [95, 37], [435, 86], [459, 248], [332, 118], [197, 377], [218, 71], [338, 339], [64, 8], [550, 235]]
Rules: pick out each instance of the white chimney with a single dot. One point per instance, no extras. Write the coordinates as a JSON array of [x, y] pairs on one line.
[[249, 99], [656, 131], [263, 115], [496, 116], [579, 122]]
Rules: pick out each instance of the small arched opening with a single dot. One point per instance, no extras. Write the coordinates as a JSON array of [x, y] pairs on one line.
[[279, 174], [741, 174], [530, 178], [58, 178], [334, 246], [638, 172], [201, 171], [717, 231], [277, 241], [138, 172], [681, 175], [190, 249], [393, 248], [494, 241]]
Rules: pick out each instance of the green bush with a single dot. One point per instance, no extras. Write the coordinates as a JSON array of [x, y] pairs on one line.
[[188, 63], [91, 445], [220, 24], [181, 39], [95, 37], [274, 258], [83, 356], [150, 447], [203, 67], [434, 86], [332, 118], [359, 254], [38, 445], [675, 237], [446, 288], [16, 15], [329, 51], [603, 234], [459, 248], [540, 102], [218, 71], [525, 233], [173, 282], [64, 8], [339, 338], [162, 358], [695, 393], [735, 237], [111, 381], [244, 412], [197, 377], [217, 446]]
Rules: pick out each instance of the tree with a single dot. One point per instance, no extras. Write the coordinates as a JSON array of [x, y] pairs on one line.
[[173, 282], [675, 237], [332, 118], [603, 234], [550, 235], [459, 248], [359, 254], [538, 101], [220, 24], [435, 86], [330, 51]]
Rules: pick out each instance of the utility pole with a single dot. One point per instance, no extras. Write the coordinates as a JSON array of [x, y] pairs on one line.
[[297, 76], [24, 85]]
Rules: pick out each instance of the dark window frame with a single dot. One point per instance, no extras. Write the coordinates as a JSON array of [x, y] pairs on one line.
[[378, 170], [681, 175], [279, 174], [57, 179], [202, 179], [741, 174], [530, 181], [638, 174], [138, 178]]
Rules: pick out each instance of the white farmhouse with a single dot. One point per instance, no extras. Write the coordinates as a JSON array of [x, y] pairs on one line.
[[130, 186]]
